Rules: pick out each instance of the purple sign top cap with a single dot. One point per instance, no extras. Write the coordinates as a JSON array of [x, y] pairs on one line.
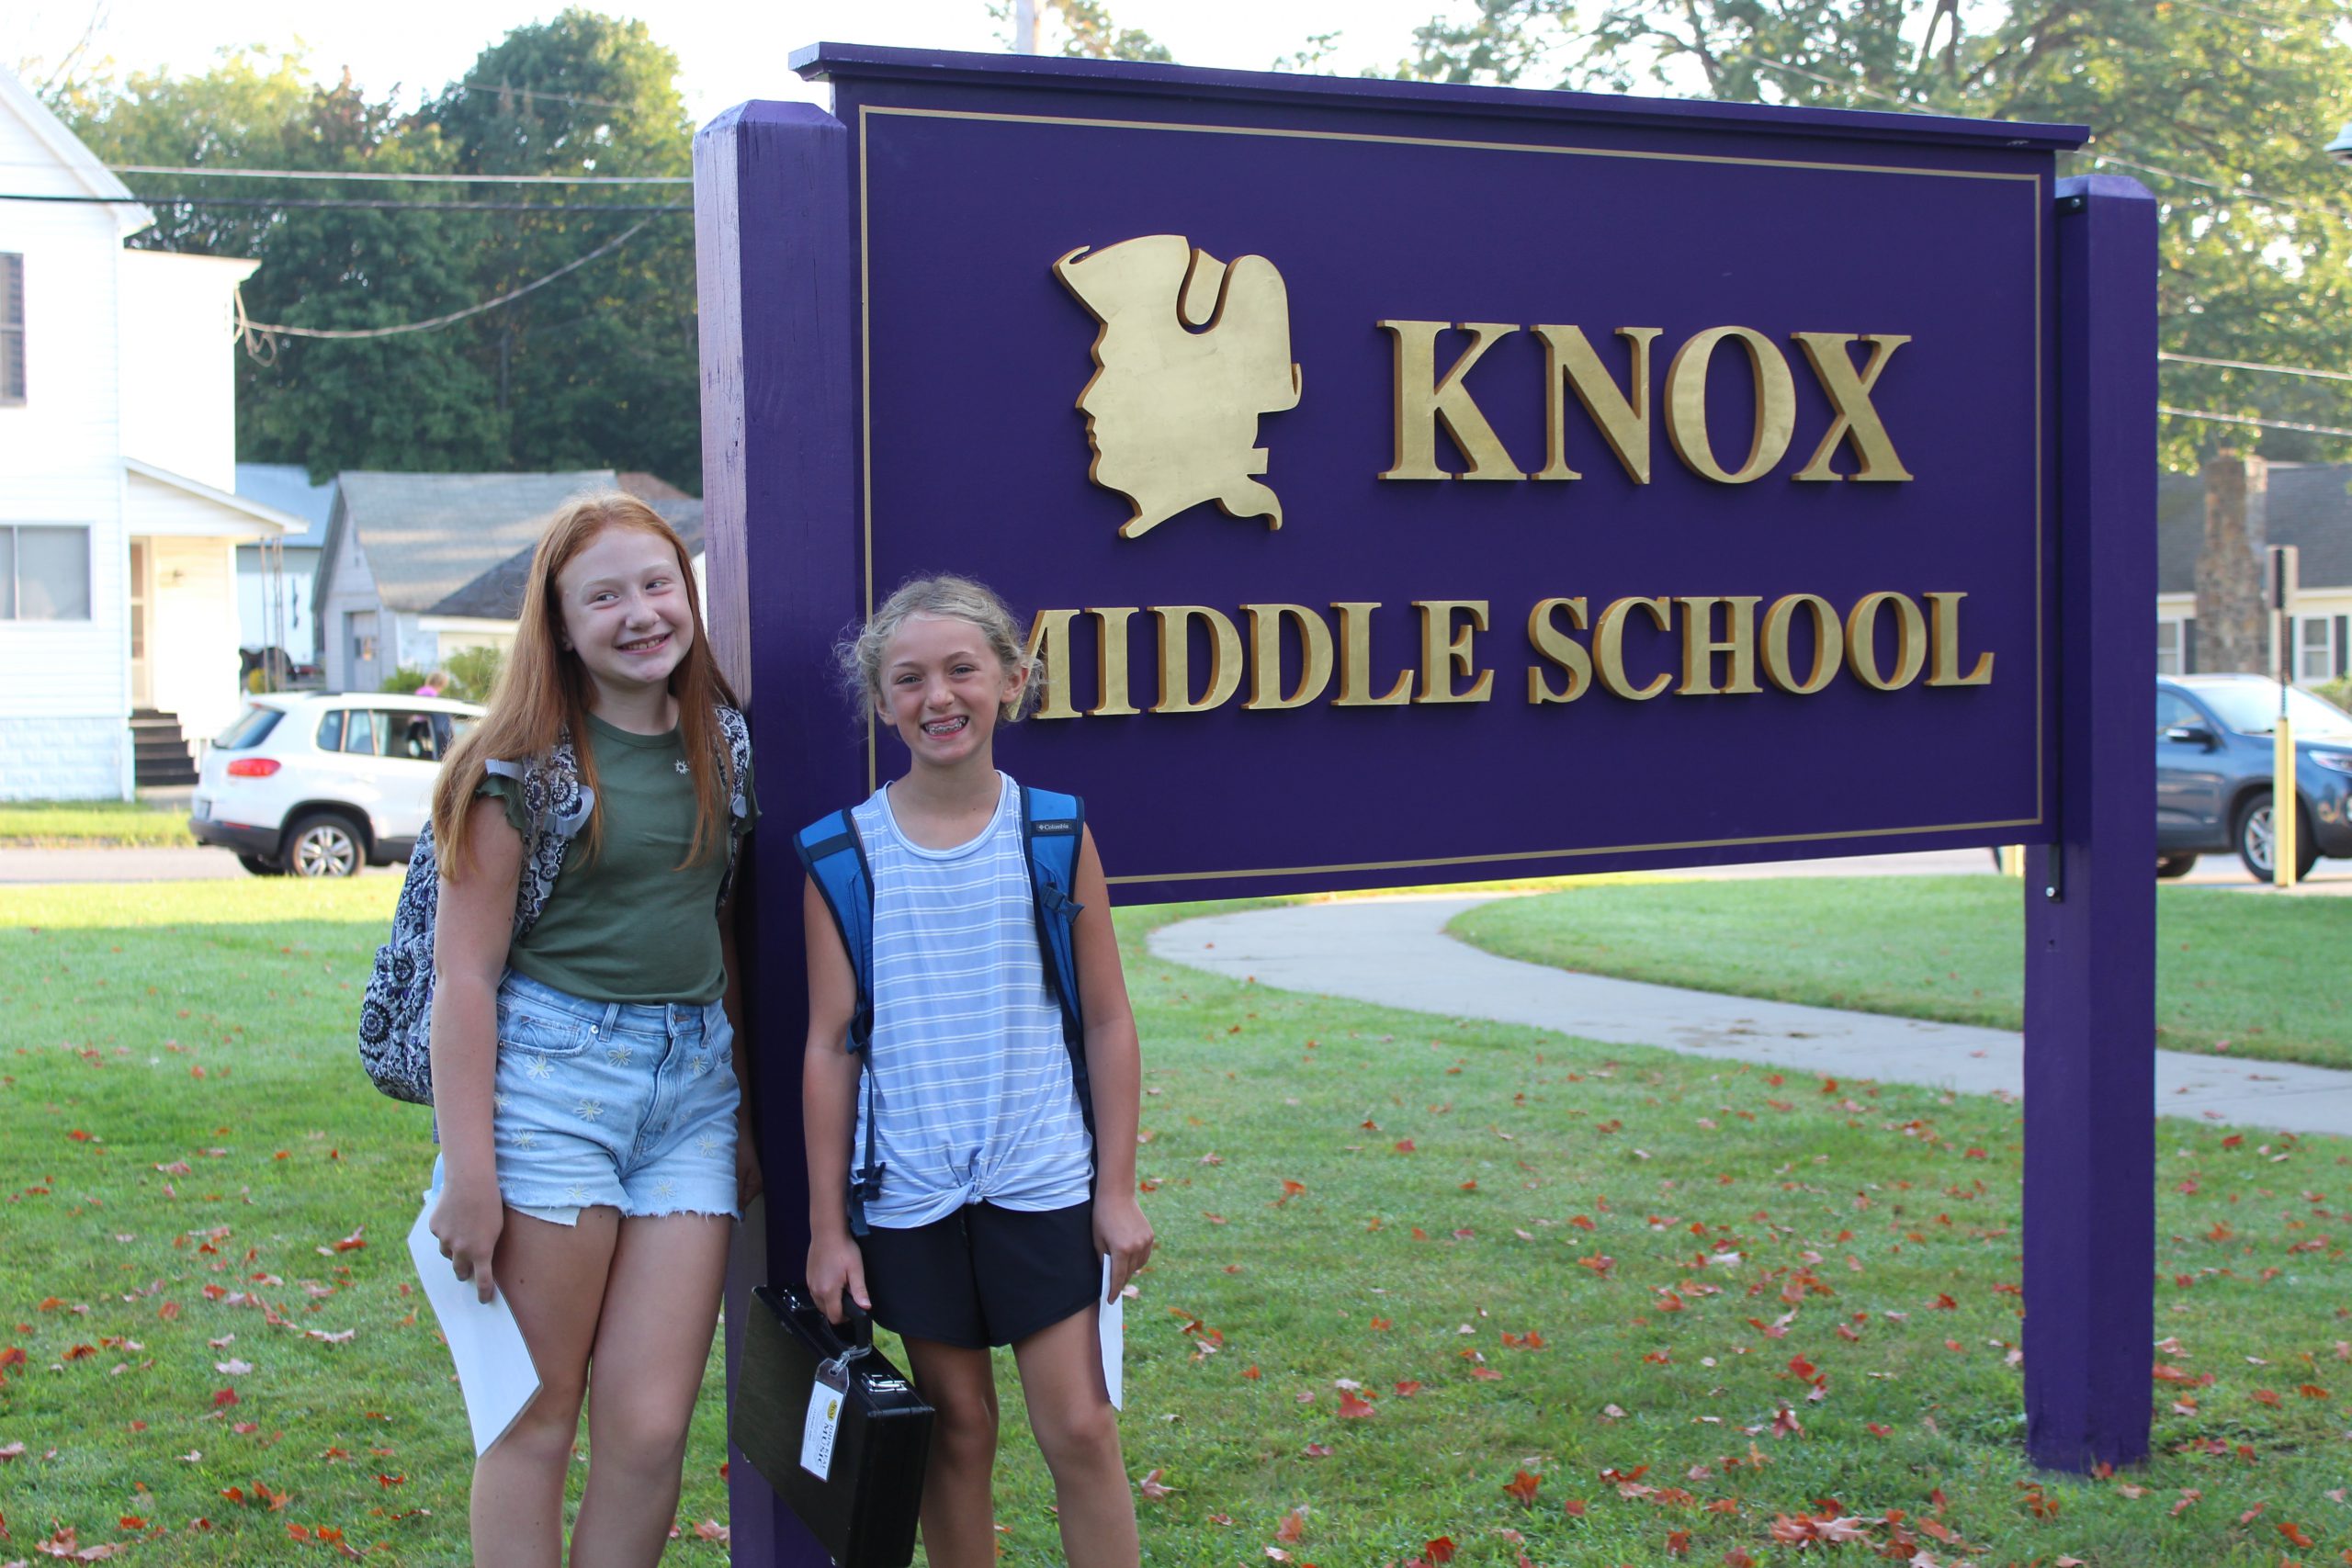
[[1032, 73]]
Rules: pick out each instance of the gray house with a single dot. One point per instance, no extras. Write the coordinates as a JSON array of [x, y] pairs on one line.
[[2308, 505], [496, 596], [399, 549], [274, 577]]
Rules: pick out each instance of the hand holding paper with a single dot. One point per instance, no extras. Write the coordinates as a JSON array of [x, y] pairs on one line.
[[1110, 1323], [495, 1369]]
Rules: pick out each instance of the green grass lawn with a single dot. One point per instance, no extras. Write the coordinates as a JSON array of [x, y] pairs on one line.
[[2235, 972], [1405, 1261], [88, 823]]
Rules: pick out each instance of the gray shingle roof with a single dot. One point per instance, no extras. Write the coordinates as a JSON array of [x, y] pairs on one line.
[[2310, 508], [428, 536], [287, 488], [497, 594]]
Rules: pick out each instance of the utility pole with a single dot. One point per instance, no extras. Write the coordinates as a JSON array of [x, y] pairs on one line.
[[2281, 585], [1024, 26]]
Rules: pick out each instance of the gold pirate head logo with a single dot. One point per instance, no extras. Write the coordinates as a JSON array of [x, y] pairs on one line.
[[1191, 353]]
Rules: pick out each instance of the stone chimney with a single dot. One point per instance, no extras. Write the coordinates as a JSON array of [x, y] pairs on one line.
[[2231, 629]]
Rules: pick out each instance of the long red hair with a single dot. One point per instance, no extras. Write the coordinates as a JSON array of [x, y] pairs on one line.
[[544, 689]]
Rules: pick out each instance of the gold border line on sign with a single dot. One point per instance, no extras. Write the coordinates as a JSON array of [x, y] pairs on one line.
[[2041, 485], [1566, 854], [866, 433]]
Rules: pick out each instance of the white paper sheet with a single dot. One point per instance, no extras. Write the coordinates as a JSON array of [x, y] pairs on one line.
[[1110, 1323], [495, 1369]]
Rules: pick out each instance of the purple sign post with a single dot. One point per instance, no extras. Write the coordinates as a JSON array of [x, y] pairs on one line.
[[1415, 484]]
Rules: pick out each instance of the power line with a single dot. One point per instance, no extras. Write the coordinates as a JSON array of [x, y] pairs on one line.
[[2269, 369], [257, 336], [2235, 193], [330, 203], [534, 92], [355, 176], [2246, 419]]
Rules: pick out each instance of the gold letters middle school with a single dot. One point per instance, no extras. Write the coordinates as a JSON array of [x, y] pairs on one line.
[[1689, 644], [1193, 351]]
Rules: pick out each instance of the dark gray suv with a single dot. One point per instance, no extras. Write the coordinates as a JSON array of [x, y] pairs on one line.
[[2213, 767]]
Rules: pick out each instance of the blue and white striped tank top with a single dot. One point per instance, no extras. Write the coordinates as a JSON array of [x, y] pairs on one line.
[[971, 1079]]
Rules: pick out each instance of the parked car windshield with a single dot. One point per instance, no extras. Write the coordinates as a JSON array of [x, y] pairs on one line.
[[2253, 709], [252, 727]]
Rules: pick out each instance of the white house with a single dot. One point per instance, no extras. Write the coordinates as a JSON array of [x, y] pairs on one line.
[[120, 522]]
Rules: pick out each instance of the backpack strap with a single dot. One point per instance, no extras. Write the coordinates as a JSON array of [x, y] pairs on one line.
[[1052, 827], [735, 740], [558, 805], [835, 857]]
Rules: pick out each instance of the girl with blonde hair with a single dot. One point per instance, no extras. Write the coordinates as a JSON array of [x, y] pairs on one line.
[[584, 1084], [991, 1209]]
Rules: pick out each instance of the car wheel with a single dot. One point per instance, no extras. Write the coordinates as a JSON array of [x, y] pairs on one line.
[[2170, 867], [323, 844], [2257, 839], [261, 865]]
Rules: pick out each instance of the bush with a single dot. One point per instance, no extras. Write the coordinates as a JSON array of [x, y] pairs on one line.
[[469, 675], [473, 673], [2338, 691]]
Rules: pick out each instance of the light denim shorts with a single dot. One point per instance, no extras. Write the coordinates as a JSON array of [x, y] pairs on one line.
[[619, 1103]]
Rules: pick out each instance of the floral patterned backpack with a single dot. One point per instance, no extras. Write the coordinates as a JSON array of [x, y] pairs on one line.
[[395, 1019]]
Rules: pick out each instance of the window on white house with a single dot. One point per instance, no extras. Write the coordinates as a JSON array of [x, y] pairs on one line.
[[2168, 648], [2315, 650], [44, 573], [12, 330]]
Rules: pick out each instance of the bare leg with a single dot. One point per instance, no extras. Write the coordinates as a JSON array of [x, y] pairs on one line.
[[653, 1344], [1061, 1378], [958, 1504], [553, 1276]]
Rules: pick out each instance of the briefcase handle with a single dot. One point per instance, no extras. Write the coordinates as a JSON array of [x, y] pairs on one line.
[[846, 1342]]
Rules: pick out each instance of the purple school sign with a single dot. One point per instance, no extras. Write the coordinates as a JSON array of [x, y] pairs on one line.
[[1417, 484]]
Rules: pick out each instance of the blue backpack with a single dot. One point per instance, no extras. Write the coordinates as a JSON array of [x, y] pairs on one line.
[[1051, 828]]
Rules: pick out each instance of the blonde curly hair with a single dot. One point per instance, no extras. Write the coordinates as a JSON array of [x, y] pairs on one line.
[[944, 596]]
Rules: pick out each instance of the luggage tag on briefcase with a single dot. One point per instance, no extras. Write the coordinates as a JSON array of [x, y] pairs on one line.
[[823, 1423], [828, 1422]]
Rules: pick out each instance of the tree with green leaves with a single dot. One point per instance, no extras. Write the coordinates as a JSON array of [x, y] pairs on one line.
[[2218, 106], [412, 401], [598, 369], [1087, 31], [602, 366]]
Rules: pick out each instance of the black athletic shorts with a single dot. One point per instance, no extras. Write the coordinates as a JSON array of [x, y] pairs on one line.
[[983, 1276]]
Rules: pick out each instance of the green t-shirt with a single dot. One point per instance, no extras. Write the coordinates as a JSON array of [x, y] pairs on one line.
[[626, 924]]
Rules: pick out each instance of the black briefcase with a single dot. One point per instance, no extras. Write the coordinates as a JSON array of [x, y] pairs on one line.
[[868, 1430]]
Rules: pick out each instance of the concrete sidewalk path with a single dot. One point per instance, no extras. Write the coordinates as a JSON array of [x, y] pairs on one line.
[[1394, 953]]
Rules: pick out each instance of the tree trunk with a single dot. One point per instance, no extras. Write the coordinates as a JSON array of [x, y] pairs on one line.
[[2231, 630]]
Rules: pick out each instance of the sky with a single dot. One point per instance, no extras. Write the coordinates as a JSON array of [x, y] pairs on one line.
[[727, 53]]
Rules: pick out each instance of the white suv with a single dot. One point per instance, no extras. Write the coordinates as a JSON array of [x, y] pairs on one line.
[[321, 785]]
